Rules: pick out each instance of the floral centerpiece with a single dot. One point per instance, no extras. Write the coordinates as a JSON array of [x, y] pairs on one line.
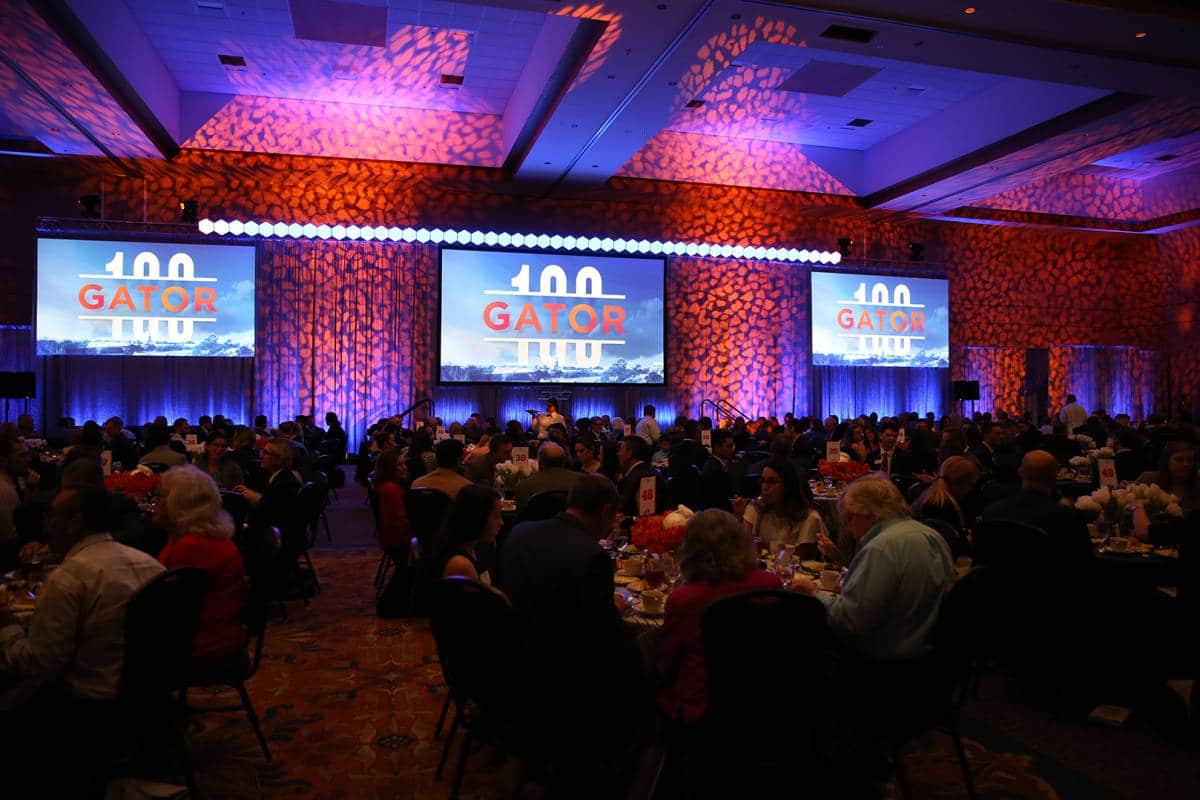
[[660, 533], [509, 474], [843, 471], [1113, 504], [135, 484]]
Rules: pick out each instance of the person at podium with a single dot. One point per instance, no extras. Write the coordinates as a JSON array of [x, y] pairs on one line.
[[543, 421]]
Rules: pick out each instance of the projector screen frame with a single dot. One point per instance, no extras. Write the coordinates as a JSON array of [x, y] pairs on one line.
[[180, 238], [910, 272], [437, 354]]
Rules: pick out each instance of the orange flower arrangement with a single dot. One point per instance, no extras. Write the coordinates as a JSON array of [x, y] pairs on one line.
[[649, 534], [843, 470], [135, 484]]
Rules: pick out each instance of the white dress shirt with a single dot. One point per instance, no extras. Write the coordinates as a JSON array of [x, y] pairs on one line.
[[77, 632], [648, 429]]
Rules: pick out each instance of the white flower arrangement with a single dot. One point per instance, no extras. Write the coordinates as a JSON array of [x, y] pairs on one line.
[[1085, 441], [1080, 461], [508, 474], [678, 517], [1113, 502]]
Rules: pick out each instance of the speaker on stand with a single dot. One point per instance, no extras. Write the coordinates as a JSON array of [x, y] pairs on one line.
[[966, 390], [16, 386]]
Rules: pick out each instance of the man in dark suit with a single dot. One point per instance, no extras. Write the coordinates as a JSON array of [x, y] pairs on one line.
[[634, 457], [985, 453], [1035, 505], [715, 480], [273, 498], [889, 458], [1061, 445], [575, 664]]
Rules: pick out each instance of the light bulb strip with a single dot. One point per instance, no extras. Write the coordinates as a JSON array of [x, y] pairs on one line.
[[594, 244]]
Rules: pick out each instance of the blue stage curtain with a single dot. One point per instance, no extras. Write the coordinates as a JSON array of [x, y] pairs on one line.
[[1119, 380], [851, 391], [513, 402], [16, 355]]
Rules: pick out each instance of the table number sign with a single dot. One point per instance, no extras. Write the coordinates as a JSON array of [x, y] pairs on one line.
[[646, 496], [520, 455], [900, 437], [1108, 471], [191, 440], [706, 440], [833, 451], [460, 437]]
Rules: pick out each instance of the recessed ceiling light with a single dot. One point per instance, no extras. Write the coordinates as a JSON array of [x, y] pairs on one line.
[[1140, 35], [451, 80], [695, 103], [969, 10], [232, 61], [859, 122]]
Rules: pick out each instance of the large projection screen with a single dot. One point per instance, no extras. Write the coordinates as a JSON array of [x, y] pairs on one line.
[[518, 317], [863, 320], [130, 298]]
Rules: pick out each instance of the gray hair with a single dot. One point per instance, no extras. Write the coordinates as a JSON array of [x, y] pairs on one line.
[[284, 449], [875, 496], [716, 546], [193, 503]]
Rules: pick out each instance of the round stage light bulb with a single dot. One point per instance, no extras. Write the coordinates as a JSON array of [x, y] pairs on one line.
[[324, 231], [310, 230], [409, 234], [835, 258], [251, 228], [490, 238], [394, 234], [236, 226], [339, 232], [221, 227], [505, 239], [205, 225], [556, 242], [295, 230]]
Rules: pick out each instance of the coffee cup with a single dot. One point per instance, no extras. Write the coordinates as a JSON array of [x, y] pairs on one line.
[[653, 601], [829, 579], [632, 566]]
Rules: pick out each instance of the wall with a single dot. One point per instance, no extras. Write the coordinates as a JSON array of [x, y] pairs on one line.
[[738, 329]]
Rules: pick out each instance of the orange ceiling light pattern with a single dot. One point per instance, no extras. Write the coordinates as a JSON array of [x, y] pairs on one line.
[[351, 130], [604, 47], [1076, 194], [699, 158], [719, 52]]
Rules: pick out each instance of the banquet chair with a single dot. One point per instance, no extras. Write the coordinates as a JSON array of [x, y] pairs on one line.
[[160, 623], [426, 508], [543, 505], [757, 639], [244, 665], [962, 638], [237, 507], [470, 624], [310, 502]]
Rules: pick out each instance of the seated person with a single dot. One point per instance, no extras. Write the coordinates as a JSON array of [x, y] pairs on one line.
[[1035, 505], [1176, 474], [121, 442], [783, 514], [889, 458], [944, 499], [127, 524], [218, 464], [73, 645], [552, 475], [715, 479], [473, 520], [244, 453], [158, 449], [446, 478], [273, 498], [88, 442], [481, 462], [717, 559], [199, 534], [633, 455], [395, 533], [890, 594]]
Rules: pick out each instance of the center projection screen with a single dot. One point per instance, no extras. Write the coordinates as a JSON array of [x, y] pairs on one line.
[[861, 320], [512, 317]]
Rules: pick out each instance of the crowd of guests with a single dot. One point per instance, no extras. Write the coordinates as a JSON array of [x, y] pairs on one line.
[[896, 534]]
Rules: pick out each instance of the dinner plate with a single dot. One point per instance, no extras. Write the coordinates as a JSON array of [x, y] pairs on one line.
[[812, 566], [639, 609], [623, 580]]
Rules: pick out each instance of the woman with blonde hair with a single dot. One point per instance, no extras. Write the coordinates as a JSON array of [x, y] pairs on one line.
[[944, 498], [199, 534]]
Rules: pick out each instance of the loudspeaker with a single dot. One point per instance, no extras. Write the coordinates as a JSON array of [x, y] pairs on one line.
[[966, 390], [15, 385]]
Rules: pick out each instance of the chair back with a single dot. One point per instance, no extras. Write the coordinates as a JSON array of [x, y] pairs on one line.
[[755, 456], [427, 509], [311, 501], [760, 640], [1014, 550], [237, 507], [471, 625], [160, 623], [966, 628], [544, 505], [686, 488]]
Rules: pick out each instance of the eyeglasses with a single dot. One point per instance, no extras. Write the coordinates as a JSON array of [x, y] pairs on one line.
[[770, 481]]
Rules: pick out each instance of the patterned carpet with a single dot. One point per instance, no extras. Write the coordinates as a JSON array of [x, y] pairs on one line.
[[349, 703]]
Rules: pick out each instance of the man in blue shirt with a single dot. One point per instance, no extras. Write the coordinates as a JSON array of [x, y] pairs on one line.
[[888, 604]]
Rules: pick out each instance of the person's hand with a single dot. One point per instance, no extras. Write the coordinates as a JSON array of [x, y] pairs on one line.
[[1141, 520], [621, 602], [827, 547], [32, 550], [924, 478], [252, 497], [803, 585], [739, 506]]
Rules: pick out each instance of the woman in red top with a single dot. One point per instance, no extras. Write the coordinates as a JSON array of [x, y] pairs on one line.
[[394, 532], [717, 559], [199, 534]]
